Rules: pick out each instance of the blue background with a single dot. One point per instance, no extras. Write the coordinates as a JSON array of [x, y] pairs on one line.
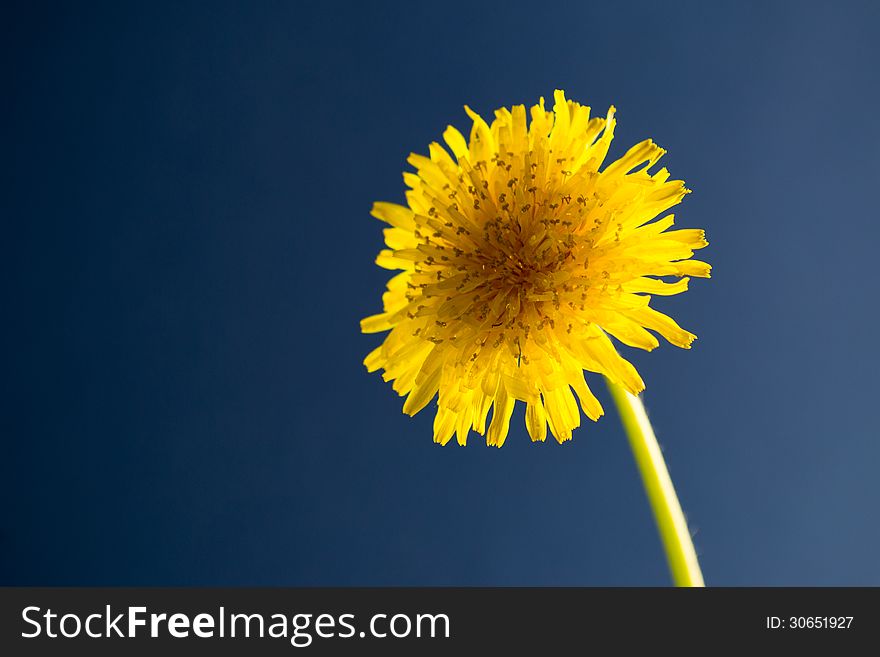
[[187, 253]]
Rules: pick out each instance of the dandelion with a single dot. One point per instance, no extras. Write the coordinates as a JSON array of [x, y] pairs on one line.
[[521, 257]]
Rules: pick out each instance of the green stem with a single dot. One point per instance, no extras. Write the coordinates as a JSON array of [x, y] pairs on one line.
[[661, 494]]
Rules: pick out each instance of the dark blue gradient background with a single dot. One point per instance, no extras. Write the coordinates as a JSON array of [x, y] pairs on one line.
[[187, 253]]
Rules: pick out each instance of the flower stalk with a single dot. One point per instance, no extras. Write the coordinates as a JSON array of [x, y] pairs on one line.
[[671, 523]]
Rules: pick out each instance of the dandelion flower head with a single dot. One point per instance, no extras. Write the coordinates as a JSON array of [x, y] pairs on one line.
[[520, 256]]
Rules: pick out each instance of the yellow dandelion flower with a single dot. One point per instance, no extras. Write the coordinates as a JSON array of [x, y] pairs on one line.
[[520, 257]]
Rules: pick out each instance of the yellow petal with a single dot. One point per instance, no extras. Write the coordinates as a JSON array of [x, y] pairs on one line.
[[394, 214], [664, 325], [654, 286], [536, 421], [422, 393], [376, 323], [500, 419], [455, 141], [444, 425]]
